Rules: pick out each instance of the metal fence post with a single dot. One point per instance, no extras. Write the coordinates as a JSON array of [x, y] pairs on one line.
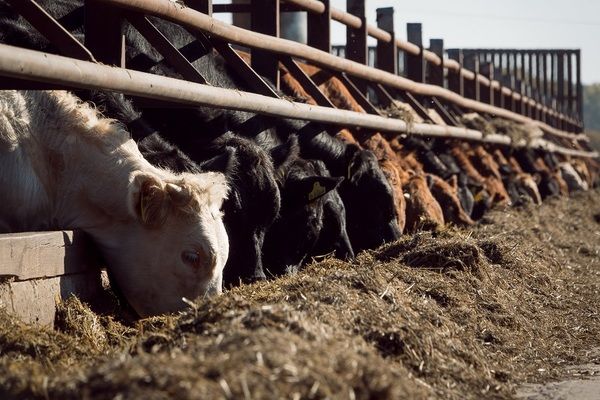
[[103, 33], [486, 94], [471, 62], [436, 72], [265, 19], [318, 27], [455, 79], [387, 53], [570, 97], [356, 39], [415, 64], [579, 89]]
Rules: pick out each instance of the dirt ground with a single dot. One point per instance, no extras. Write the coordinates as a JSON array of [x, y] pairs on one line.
[[457, 314]]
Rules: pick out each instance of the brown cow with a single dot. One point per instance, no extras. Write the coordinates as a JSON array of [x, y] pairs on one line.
[[423, 212], [447, 196], [492, 184], [392, 174], [486, 162]]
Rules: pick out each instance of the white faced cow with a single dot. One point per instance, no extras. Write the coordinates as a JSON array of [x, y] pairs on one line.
[[63, 166]]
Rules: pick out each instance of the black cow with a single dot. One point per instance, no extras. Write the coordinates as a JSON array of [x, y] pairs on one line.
[[365, 191], [294, 234]]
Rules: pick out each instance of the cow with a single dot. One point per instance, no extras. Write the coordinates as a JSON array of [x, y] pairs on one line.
[[574, 181], [423, 212], [333, 237], [367, 195], [582, 169], [496, 192], [446, 194], [67, 167], [394, 173], [294, 236]]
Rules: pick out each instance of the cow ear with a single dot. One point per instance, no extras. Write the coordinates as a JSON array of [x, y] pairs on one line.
[[453, 181], [313, 187], [224, 162], [148, 200], [537, 178], [430, 181]]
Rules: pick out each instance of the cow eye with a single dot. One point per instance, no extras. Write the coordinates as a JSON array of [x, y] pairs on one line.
[[191, 258]]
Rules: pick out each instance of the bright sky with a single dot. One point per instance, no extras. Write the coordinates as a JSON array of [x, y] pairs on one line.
[[573, 24]]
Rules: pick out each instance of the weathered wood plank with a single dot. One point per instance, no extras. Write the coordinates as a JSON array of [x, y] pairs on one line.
[[33, 255], [34, 301]]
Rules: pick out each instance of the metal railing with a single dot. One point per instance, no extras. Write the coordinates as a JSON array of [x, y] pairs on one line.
[[104, 43]]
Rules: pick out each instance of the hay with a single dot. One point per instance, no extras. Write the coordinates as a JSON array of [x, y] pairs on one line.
[[456, 314], [520, 134], [477, 122]]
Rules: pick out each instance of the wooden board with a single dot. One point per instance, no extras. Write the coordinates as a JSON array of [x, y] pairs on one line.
[[34, 301], [45, 254], [40, 269]]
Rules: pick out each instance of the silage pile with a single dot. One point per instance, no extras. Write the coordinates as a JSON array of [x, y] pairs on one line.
[[462, 314]]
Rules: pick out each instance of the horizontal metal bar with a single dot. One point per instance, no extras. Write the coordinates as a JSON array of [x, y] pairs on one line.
[[195, 20], [37, 66]]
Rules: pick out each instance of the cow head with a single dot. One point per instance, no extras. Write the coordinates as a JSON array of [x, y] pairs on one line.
[[369, 201], [172, 245], [253, 204], [482, 202], [301, 218], [446, 193]]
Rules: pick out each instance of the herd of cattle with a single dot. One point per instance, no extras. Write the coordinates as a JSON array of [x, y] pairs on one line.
[[181, 201]]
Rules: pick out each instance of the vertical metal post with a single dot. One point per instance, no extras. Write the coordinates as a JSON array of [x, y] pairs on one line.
[[455, 80], [436, 72], [387, 53], [518, 104], [560, 89], [319, 29], [570, 97], [103, 33], [356, 39], [538, 75], [415, 64], [579, 88], [544, 64], [471, 61], [265, 19], [486, 94]]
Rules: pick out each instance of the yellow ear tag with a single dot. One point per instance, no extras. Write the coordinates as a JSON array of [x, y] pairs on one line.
[[317, 191], [479, 196]]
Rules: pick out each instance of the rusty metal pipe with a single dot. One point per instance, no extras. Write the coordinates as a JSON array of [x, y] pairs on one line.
[[57, 70], [196, 20]]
